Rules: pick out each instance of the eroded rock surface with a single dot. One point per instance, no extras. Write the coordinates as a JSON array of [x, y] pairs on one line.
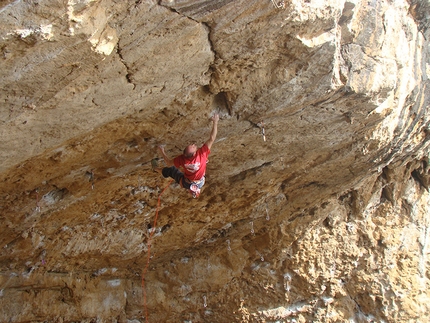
[[316, 203]]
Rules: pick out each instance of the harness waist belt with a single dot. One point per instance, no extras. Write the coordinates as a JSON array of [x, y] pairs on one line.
[[197, 182]]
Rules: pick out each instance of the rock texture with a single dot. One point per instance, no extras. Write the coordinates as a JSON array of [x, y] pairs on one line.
[[316, 204]]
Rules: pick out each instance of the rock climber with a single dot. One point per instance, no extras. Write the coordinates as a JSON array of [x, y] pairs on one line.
[[192, 162]]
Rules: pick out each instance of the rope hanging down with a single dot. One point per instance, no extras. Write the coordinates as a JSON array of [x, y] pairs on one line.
[[149, 251]]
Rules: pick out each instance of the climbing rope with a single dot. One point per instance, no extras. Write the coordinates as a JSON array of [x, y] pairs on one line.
[[149, 251]]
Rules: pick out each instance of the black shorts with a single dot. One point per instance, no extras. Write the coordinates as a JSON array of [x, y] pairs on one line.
[[177, 175], [180, 178]]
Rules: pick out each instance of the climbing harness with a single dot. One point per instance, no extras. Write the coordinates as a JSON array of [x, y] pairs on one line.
[[149, 251], [195, 186]]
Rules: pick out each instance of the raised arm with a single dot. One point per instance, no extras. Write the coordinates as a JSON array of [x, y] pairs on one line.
[[167, 160], [214, 131]]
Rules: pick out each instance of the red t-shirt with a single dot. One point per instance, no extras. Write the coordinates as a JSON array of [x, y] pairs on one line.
[[195, 167]]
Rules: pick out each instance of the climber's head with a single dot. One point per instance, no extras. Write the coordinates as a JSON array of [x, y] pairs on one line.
[[190, 151]]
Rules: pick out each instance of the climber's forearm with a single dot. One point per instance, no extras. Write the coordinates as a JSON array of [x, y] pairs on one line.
[[169, 162], [214, 131]]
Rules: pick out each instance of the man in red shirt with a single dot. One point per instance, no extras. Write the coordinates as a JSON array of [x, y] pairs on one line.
[[192, 162]]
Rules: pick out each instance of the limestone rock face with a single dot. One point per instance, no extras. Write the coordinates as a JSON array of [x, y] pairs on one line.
[[316, 203]]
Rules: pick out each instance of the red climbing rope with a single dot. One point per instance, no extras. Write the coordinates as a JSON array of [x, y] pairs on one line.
[[149, 251]]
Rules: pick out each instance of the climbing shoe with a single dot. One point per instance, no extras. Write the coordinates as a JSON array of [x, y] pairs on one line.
[[194, 190]]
